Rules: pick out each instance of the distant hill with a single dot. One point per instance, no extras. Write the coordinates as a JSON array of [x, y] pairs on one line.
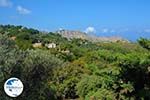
[[78, 34], [34, 35]]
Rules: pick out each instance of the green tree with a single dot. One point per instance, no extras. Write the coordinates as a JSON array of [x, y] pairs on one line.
[[37, 69], [145, 43]]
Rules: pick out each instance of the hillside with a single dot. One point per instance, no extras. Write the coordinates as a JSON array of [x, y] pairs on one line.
[[53, 67]]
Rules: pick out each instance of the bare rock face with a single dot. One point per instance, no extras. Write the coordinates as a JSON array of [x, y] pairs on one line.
[[72, 34], [81, 35]]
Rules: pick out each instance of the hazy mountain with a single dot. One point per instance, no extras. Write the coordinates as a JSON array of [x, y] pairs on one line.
[[78, 34]]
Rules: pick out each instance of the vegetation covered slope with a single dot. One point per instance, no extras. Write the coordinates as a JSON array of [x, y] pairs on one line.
[[74, 69]]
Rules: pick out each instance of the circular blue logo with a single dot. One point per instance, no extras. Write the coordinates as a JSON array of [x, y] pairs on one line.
[[13, 87]]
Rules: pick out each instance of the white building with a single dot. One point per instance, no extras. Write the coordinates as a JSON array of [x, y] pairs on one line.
[[37, 45], [50, 45]]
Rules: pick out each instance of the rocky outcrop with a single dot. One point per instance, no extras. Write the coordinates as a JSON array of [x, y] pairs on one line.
[[77, 34]]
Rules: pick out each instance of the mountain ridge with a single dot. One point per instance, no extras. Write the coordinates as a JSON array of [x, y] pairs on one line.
[[70, 34]]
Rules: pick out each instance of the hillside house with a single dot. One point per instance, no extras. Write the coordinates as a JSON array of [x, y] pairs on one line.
[[50, 45], [37, 45]]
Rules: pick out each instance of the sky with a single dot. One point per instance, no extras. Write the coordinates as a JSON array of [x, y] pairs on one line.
[[129, 19]]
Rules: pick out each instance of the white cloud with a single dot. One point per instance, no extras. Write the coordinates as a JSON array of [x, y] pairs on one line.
[[105, 30], [60, 29], [90, 30], [23, 10], [5, 3]]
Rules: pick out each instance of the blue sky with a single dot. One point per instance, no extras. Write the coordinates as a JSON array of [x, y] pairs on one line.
[[129, 19]]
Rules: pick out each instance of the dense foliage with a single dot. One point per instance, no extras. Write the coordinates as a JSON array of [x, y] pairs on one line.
[[74, 69]]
